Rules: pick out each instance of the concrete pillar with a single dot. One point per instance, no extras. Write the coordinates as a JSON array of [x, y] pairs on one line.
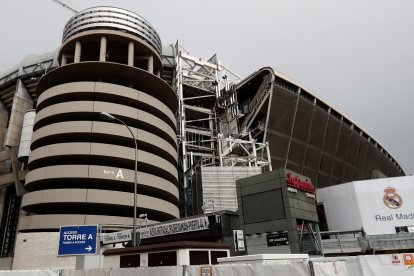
[[158, 73], [22, 101], [64, 60], [4, 118], [131, 54], [78, 49], [102, 51], [151, 64]]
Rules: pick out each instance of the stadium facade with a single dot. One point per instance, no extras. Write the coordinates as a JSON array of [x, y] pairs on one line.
[[80, 169]]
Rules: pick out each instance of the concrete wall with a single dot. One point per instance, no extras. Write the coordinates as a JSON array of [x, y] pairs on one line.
[[39, 250], [341, 207]]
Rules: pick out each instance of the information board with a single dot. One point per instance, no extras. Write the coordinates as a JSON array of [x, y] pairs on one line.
[[77, 240]]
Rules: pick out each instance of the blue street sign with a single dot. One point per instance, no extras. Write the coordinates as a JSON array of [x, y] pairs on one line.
[[77, 240]]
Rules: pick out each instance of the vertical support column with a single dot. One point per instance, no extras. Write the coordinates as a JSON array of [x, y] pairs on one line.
[[220, 149], [22, 101], [102, 50], [254, 154], [64, 60], [78, 50], [151, 64], [15, 164], [308, 139], [293, 127], [158, 73], [269, 158], [131, 54]]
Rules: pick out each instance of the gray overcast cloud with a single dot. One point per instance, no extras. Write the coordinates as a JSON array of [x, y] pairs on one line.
[[356, 55]]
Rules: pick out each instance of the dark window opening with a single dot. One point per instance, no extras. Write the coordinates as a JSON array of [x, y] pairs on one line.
[[130, 260], [217, 254], [199, 257], [162, 259]]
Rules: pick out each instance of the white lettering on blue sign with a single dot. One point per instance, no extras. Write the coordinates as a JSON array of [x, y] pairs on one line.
[[77, 240]]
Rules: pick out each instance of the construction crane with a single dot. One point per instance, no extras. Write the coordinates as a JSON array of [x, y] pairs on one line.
[[67, 5]]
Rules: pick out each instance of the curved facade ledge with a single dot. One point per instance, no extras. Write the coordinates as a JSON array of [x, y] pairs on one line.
[[52, 222], [107, 72]]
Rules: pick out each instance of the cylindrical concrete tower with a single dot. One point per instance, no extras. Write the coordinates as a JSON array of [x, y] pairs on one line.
[[81, 167]]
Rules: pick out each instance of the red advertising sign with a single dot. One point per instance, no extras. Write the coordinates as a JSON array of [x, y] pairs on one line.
[[295, 182]]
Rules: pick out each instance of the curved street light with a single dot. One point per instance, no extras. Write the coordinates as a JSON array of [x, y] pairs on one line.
[[110, 117]]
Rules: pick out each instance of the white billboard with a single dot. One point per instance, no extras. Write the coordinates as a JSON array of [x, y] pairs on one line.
[[377, 205], [385, 204]]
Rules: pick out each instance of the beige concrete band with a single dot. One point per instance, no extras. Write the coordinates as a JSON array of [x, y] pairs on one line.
[[79, 172]]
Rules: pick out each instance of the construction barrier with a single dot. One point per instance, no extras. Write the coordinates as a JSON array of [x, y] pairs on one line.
[[366, 265]]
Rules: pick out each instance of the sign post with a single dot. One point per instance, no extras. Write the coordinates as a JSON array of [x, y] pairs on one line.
[[77, 240]]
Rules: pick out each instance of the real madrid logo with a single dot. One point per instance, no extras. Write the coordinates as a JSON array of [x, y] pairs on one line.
[[392, 199]]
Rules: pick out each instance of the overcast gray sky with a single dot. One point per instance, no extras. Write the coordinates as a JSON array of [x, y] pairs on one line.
[[356, 55]]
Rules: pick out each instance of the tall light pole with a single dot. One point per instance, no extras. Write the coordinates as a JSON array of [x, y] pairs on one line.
[[110, 117]]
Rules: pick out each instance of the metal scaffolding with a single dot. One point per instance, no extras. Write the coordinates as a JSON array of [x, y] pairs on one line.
[[209, 118]]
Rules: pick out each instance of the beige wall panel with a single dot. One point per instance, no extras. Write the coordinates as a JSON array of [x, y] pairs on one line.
[[50, 221], [63, 127], [35, 175], [128, 153], [60, 149], [115, 109], [85, 86], [97, 196], [54, 195], [78, 106], [94, 219], [62, 171], [140, 115], [54, 221], [134, 94], [101, 150], [108, 88], [100, 172], [127, 199], [104, 172], [140, 135]]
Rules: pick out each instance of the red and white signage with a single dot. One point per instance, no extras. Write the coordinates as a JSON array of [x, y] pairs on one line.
[[295, 182]]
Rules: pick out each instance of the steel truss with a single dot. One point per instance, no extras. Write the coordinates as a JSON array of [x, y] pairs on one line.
[[208, 118]]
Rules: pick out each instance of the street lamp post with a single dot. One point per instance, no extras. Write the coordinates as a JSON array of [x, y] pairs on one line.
[[110, 117]]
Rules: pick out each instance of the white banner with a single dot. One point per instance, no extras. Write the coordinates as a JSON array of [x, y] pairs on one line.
[[116, 237], [178, 227], [385, 265], [330, 268]]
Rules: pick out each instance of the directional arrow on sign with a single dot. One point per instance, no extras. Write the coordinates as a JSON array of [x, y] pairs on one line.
[[89, 248]]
